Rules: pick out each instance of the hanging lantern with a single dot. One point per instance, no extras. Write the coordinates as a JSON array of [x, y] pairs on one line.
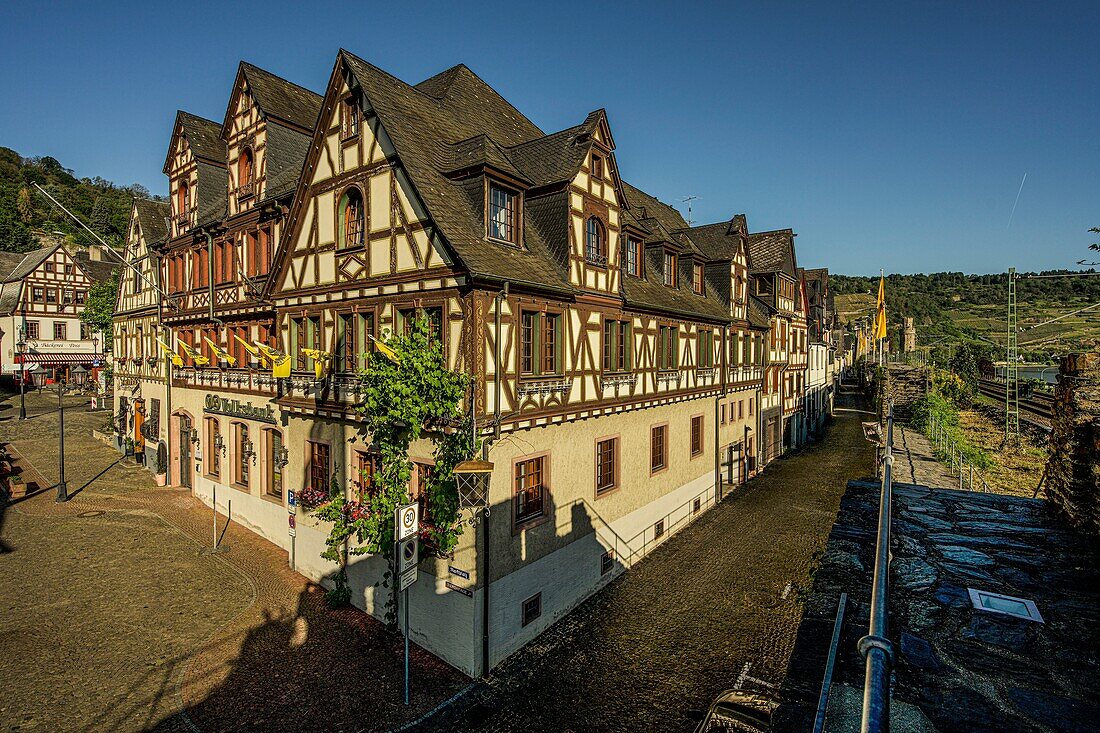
[[472, 478]]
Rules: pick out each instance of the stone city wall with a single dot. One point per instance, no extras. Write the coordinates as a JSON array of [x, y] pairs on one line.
[[1073, 468]]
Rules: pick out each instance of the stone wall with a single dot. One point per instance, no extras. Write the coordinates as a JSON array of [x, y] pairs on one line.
[[1073, 468], [905, 385]]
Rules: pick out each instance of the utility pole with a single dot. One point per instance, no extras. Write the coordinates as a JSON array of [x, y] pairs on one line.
[[1012, 387]]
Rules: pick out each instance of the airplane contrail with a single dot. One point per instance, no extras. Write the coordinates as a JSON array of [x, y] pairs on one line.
[[1022, 180]]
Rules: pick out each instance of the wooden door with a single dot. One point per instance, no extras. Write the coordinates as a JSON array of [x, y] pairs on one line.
[[185, 450]]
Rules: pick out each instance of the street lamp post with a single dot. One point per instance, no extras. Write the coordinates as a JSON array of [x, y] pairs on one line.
[[78, 375], [22, 346]]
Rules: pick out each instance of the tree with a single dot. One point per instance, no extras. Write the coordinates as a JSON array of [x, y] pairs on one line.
[[99, 308], [405, 398]]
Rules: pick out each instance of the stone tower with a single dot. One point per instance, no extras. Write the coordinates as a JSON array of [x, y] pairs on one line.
[[909, 342]]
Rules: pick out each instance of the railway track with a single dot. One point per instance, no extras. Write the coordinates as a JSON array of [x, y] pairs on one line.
[[1035, 409]]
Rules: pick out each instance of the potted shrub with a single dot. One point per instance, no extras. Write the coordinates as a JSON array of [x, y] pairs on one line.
[[128, 445]]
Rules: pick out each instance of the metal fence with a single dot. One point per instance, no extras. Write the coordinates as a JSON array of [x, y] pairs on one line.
[[955, 459]]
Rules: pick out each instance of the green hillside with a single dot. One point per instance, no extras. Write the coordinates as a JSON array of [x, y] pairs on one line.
[[26, 216], [950, 307]]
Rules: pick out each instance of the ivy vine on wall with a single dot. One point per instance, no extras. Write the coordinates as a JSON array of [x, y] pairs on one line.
[[408, 394]]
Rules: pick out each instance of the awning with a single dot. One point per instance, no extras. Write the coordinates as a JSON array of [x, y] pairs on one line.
[[58, 359]]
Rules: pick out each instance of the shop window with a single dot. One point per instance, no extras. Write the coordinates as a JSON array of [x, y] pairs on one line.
[[273, 442], [213, 447], [242, 448]]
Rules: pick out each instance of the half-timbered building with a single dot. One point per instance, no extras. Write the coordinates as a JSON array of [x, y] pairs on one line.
[[778, 288], [41, 296], [617, 353]]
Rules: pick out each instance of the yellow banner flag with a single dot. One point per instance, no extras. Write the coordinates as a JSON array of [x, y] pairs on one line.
[[247, 346], [280, 362], [320, 361], [386, 351], [196, 358], [221, 353], [176, 358], [880, 313]]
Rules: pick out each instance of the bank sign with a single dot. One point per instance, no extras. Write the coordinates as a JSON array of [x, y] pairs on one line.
[[235, 408]]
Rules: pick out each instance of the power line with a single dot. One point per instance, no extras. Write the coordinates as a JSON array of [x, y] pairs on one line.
[[104, 245]]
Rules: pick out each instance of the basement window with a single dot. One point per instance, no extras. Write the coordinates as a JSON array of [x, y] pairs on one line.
[[1005, 605]]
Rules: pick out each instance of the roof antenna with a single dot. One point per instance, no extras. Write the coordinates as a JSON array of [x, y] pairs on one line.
[[688, 201]]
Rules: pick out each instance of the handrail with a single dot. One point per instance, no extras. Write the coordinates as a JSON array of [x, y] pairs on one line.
[[687, 510], [876, 647], [830, 663]]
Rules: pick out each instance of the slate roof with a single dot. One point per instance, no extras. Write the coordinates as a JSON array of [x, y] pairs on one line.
[[213, 192], [17, 269], [716, 241], [450, 125], [204, 136], [480, 150], [8, 262], [423, 129], [771, 251], [554, 158], [96, 270], [14, 266], [284, 100], [286, 154], [151, 217], [760, 313]]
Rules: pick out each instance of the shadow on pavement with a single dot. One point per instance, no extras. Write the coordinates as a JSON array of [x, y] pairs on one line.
[[313, 668]]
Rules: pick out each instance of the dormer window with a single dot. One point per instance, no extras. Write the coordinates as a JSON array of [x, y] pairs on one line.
[[670, 269], [632, 258], [503, 221], [697, 283], [351, 219], [244, 172], [595, 242], [597, 166], [349, 118]]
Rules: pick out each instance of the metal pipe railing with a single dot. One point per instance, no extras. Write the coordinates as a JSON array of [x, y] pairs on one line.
[[876, 647]]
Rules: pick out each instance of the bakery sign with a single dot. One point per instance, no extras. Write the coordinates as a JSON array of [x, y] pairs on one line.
[[235, 408]]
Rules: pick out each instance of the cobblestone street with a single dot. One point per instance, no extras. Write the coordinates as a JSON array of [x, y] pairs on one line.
[[716, 605], [114, 620]]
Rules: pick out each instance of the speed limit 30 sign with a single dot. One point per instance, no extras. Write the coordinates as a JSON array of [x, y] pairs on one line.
[[406, 521]]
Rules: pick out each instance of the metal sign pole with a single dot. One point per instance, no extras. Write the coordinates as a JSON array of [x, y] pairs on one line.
[[406, 646]]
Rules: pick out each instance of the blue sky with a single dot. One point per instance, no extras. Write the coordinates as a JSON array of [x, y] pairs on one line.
[[887, 135]]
